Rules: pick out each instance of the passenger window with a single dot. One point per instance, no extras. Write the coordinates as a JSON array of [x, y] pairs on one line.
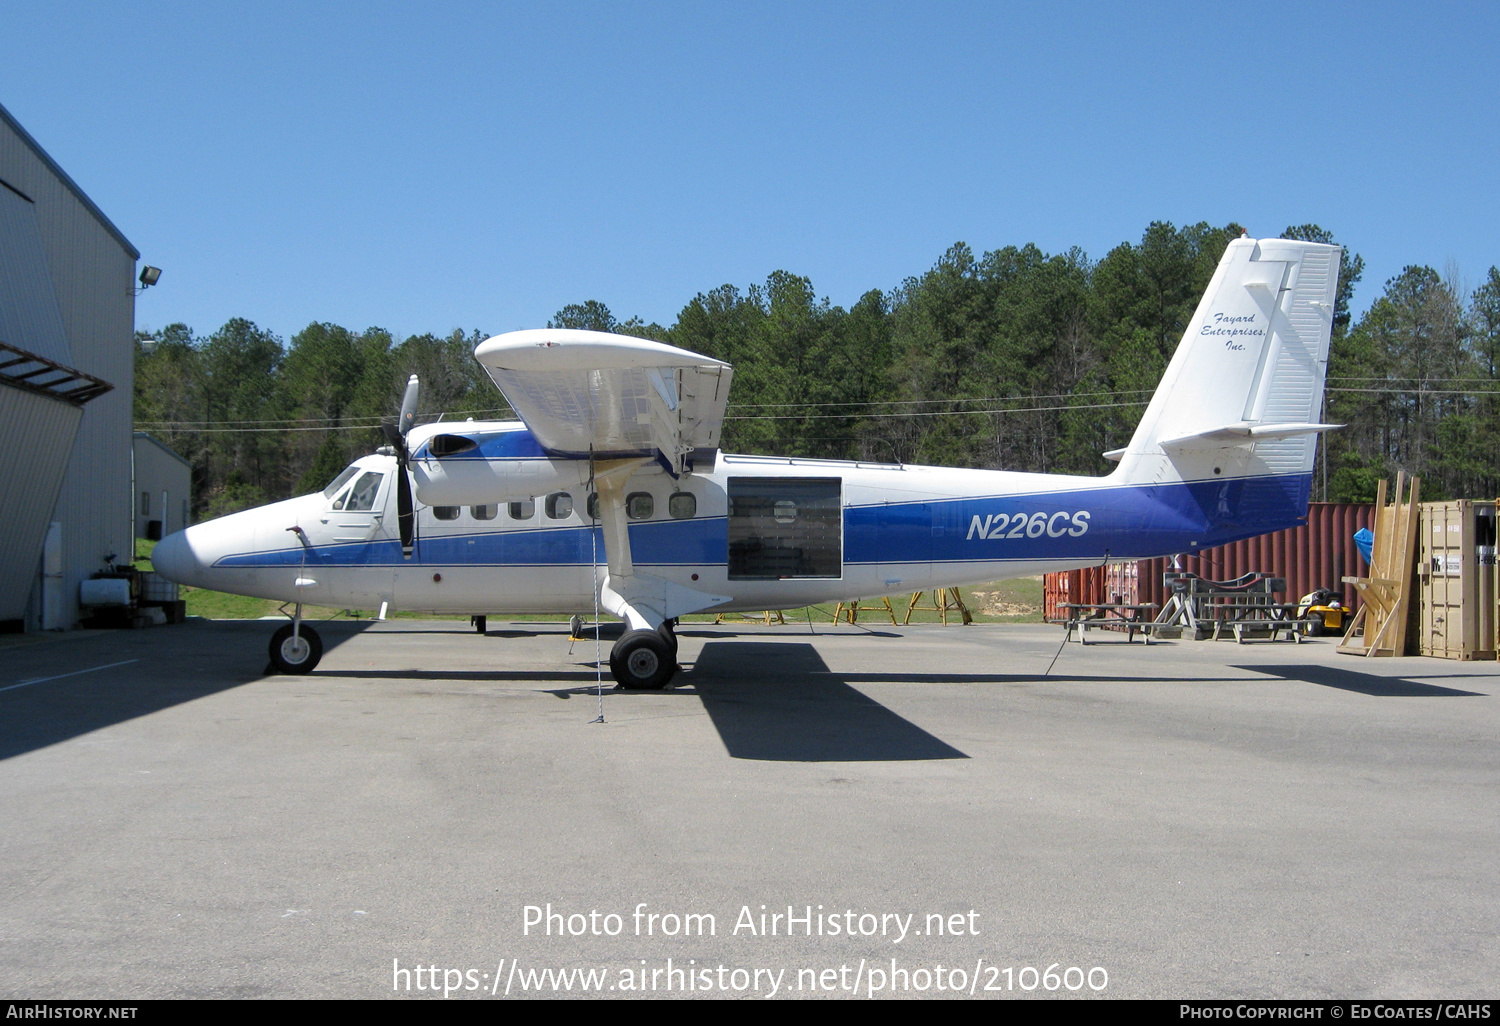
[[639, 506], [559, 506], [484, 512], [446, 512], [362, 495], [523, 510], [683, 506]]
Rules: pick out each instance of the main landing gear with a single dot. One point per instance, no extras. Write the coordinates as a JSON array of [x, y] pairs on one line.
[[645, 660], [296, 647]]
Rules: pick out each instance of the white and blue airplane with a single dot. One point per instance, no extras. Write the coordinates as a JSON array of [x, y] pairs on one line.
[[611, 488]]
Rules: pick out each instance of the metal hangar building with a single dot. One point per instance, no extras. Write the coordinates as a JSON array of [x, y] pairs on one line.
[[67, 320]]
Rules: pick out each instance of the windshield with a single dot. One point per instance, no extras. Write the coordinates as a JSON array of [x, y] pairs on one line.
[[362, 495], [340, 481]]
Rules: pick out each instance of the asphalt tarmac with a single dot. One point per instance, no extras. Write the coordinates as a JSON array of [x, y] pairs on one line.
[[884, 811]]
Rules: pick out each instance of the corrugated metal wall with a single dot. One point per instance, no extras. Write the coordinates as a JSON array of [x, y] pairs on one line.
[[93, 274], [29, 315], [1318, 555]]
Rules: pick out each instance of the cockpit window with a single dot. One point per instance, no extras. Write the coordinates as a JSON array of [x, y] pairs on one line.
[[339, 482], [362, 495]]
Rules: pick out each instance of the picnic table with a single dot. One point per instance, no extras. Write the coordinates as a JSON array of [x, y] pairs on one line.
[[1245, 616], [1129, 616], [1245, 607]]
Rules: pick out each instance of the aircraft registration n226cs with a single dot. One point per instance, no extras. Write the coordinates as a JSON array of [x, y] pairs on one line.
[[612, 487]]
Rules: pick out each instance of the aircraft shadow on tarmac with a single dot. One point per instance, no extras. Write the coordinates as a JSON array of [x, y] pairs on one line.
[[1364, 683], [780, 702]]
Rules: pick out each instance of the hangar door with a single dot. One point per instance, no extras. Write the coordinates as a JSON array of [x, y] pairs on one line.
[[785, 527]]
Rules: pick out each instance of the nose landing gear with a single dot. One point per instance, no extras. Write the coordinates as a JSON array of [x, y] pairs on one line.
[[295, 647]]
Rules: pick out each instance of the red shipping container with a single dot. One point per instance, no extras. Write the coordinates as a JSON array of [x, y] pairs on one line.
[[1317, 555]]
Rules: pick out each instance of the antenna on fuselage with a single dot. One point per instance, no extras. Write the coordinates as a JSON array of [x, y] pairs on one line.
[[395, 434]]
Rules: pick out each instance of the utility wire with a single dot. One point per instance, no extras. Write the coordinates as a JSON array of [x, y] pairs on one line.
[[935, 413], [267, 426]]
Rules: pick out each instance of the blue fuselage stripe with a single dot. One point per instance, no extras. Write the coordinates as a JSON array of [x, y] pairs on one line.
[[1122, 522]]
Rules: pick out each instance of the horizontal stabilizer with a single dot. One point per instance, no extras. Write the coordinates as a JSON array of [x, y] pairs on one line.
[[1240, 434]]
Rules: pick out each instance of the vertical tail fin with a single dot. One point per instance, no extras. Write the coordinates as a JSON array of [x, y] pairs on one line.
[[1242, 394]]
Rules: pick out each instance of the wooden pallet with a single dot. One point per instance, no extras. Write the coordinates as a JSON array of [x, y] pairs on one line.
[[1379, 628]]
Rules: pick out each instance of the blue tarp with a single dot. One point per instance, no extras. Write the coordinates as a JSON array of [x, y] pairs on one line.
[[1364, 540]]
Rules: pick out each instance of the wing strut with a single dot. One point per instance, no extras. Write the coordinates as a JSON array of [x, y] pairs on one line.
[[646, 656]]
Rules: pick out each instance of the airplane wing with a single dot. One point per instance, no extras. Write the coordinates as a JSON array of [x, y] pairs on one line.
[[612, 396]]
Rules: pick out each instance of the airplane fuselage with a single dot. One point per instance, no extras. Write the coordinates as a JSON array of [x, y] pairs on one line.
[[610, 493], [769, 532]]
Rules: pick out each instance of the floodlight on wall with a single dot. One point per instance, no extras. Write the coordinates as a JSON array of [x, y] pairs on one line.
[[149, 277]]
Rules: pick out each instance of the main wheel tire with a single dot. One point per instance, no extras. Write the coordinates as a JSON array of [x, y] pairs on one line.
[[642, 661], [480, 623], [668, 631], [296, 655], [1315, 628]]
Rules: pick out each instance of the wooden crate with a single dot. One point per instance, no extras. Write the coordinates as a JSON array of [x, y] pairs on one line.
[[1456, 579]]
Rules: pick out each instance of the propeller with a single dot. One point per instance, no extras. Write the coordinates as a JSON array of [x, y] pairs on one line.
[[395, 434]]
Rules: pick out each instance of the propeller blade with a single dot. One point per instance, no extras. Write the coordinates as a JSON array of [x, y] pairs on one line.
[[404, 518], [408, 406]]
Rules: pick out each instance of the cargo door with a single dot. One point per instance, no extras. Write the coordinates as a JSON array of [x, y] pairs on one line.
[[785, 528]]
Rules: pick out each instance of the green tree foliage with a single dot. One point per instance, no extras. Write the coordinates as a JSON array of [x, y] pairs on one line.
[[590, 316], [1014, 359], [1409, 381], [239, 369], [335, 383]]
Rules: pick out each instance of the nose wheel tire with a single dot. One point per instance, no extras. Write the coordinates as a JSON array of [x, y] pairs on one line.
[[296, 655], [643, 661]]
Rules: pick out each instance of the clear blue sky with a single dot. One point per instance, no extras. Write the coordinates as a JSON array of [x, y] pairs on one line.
[[426, 166]]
